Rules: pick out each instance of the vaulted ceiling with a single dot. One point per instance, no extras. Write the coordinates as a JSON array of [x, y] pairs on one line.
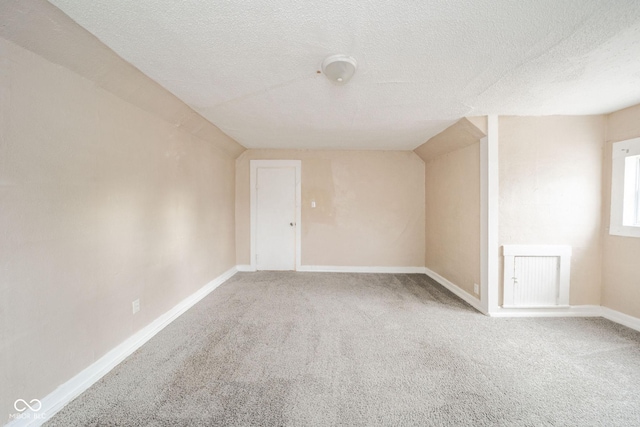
[[251, 67]]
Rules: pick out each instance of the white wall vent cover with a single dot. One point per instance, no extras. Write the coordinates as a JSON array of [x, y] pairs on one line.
[[536, 276]]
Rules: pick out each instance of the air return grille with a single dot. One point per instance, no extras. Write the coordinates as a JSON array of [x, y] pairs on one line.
[[536, 276]]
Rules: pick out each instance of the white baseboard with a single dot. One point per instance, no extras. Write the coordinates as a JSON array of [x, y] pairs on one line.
[[566, 311], [359, 269], [68, 391], [621, 318], [245, 267], [466, 296], [571, 311]]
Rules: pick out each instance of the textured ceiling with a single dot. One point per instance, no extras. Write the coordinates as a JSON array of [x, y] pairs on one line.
[[251, 67]]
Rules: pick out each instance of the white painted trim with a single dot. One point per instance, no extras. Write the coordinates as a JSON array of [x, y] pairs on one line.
[[466, 296], [561, 251], [253, 194], [536, 250], [567, 311], [71, 389], [621, 318], [484, 223], [245, 268], [360, 269], [492, 247]]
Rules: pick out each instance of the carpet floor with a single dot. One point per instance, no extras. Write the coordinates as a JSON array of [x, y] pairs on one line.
[[324, 349]]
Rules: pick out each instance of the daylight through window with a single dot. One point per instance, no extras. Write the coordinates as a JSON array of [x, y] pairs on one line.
[[625, 189]]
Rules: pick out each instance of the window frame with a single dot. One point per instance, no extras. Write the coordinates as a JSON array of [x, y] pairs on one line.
[[636, 206], [625, 188]]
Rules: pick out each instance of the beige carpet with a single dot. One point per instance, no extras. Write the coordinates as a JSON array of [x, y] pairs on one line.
[[322, 349]]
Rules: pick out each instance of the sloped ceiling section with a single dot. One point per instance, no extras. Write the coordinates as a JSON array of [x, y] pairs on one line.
[[43, 29], [459, 135], [251, 68]]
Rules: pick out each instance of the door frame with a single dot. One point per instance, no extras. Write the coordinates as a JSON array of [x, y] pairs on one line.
[[253, 194]]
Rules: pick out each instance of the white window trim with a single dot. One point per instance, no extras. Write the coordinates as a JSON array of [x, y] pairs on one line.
[[620, 152]]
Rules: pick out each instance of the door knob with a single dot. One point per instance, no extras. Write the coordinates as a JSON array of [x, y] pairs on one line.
[[291, 224]]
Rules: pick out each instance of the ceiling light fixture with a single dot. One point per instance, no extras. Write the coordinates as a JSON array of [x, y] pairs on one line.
[[339, 68]]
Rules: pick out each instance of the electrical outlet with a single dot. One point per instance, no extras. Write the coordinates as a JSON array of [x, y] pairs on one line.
[[136, 306], [476, 288]]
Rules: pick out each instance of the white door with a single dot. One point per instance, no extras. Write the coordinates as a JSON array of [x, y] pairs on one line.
[[536, 281], [276, 218]]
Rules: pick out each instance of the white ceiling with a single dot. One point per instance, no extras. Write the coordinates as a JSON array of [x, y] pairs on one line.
[[250, 67]]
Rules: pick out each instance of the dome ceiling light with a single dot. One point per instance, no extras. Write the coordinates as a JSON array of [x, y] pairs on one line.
[[339, 68]]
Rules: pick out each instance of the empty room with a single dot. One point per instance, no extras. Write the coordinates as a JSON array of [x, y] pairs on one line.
[[278, 213]]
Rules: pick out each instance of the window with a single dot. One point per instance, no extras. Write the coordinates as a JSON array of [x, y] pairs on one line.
[[631, 204], [625, 189]]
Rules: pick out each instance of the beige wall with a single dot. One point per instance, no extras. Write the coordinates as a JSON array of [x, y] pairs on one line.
[[452, 197], [369, 207], [550, 191], [621, 255], [101, 202]]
